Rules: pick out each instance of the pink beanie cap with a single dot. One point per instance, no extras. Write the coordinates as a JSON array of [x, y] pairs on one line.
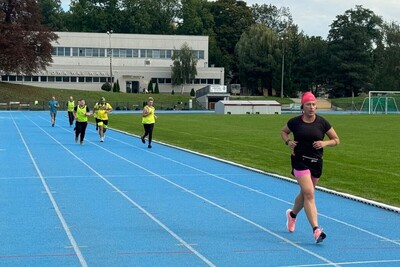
[[307, 97]]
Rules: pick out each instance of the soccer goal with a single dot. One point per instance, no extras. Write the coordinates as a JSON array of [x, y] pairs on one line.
[[384, 102]]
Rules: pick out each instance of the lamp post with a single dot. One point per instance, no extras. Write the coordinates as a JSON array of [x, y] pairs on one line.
[[283, 58], [110, 55]]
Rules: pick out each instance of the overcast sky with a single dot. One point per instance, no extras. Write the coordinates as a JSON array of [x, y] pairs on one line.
[[314, 16]]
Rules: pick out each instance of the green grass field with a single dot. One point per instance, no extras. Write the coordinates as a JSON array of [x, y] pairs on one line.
[[365, 164]]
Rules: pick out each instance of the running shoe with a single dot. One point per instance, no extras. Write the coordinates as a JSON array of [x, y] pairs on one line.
[[143, 140], [290, 222], [149, 146], [101, 139], [319, 235]]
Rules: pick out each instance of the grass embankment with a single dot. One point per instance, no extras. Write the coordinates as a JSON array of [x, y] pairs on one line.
[[30, 94]]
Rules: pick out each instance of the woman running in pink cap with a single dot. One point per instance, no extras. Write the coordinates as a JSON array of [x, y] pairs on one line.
[[309, 130]]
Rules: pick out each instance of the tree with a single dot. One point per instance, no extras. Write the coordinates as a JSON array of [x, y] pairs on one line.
[[25, 44], [352, 38], [312, 65], [231, 18], [156, 89], [387, 59], [148, 16], [52, 14], [184, 66], [274, 18], [150, 87], [258, 58]]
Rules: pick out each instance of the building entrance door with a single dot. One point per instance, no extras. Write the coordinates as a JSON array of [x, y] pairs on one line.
[[133, 87]]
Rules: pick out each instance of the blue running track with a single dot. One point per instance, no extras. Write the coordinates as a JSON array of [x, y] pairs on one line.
[[119, 203]]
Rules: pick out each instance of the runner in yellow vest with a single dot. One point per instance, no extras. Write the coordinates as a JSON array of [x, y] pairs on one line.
[[70, 109], [148, 120], [102, 109], [81, 114]]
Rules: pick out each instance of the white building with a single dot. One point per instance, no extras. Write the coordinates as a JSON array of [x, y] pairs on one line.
[[81, 61], [248, 107]]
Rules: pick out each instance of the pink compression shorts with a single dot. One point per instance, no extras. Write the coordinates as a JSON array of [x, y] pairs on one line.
[[302, 173]]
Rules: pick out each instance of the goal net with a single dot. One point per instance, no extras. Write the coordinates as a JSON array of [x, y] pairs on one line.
[[383, 102]]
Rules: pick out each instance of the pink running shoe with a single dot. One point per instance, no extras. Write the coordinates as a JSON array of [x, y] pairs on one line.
[[290, 222], [319, 235]]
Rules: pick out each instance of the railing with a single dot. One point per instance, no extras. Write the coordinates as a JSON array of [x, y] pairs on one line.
[[43, 105]]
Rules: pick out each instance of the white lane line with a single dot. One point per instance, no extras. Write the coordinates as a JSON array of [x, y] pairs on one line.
[[54, 203], [172, 233], [257, 191], [223, 208], [345, 263]]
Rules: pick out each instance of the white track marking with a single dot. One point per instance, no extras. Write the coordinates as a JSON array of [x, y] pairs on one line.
[[222, 208], [54, 203], [177, 237], [257, 191]]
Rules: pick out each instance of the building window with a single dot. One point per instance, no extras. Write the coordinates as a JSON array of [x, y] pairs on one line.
[[201, 54], [149, 53], [128, 52], [73, 79], [89, 52], [43, 78], [156, 53], [75, 51], [122, 53], [51, 79]]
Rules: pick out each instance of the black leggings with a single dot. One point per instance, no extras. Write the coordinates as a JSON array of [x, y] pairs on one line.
[[80, 129], [71, 117], [148, 131]]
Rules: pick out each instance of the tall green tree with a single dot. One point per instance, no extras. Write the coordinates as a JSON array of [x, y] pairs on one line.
[[149, 16], [52, 14], [312, 66], [258, 59], [274, 18], [387, 59], [195, 18], [184, 66], [352, 38], [94, 16], [25, 44], [231, 18]]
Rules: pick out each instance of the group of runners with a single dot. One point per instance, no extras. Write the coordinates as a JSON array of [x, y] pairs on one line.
[[80, 112]]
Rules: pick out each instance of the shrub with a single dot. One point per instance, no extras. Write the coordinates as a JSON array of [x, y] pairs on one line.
[[106, 87]]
